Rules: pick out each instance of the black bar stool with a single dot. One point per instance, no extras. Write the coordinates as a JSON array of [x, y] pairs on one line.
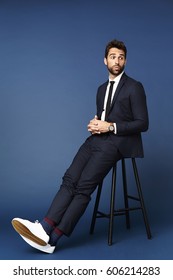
[[124, 211]]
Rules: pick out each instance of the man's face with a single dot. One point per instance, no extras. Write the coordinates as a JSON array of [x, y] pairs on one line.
[[115, 62]]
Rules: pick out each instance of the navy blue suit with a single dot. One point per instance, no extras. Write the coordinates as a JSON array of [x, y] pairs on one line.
[[100, 152]]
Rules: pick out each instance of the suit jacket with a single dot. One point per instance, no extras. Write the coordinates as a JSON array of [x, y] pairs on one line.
[[129, 112]]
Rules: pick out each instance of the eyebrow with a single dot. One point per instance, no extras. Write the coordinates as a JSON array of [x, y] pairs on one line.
[[121, 54]]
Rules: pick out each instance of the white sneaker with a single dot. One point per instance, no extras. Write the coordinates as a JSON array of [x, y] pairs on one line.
[[32, 231], [47, 249]]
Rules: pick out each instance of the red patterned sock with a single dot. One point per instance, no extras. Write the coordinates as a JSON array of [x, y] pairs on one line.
[[48, 225]]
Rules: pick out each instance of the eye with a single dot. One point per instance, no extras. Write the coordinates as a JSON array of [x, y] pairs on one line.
[[121, 57]]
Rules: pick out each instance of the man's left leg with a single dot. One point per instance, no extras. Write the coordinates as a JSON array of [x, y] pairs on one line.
[[100, 163]]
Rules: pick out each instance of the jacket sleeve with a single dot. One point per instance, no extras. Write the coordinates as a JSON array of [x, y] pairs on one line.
[[137, 121]]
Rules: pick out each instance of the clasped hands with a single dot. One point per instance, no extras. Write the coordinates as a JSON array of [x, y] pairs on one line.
[[96, 126]]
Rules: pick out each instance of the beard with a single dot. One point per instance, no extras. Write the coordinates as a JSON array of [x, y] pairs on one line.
[[116, 69]]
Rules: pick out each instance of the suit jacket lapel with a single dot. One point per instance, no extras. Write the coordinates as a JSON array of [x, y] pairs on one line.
[[121, 83], [102, 96], [104, 91]]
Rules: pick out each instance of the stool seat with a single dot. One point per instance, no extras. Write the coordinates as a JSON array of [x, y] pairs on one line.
[[123, 211]]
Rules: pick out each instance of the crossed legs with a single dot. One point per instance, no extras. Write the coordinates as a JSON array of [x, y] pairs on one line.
[[91, 164]]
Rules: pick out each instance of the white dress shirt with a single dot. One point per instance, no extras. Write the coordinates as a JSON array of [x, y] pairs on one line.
[[116, 80]]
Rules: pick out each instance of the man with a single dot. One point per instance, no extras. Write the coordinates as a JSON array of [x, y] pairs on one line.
[[115, 133]]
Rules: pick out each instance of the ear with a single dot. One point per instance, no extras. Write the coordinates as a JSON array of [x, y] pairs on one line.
[[105, 61]]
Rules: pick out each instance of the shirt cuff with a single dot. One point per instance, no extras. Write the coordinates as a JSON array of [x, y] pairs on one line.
[[115, 128]]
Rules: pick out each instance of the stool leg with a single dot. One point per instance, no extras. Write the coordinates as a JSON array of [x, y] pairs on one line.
[[125, 193], [112, 206], [141, 198], [96, 208]]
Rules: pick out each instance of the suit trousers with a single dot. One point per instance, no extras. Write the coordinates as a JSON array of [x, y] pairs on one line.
[[91, 164]]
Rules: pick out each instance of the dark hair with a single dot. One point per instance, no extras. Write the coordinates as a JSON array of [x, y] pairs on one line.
[[115, 44]]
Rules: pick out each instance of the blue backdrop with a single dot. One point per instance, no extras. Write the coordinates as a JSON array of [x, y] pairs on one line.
[[51, 63]]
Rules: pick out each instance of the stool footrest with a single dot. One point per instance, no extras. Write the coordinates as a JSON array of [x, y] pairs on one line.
[[102, 215], [117, 212], [125, 210], [133, 197]]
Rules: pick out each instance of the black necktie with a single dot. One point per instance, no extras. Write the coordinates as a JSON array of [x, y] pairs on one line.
[[108, 105]]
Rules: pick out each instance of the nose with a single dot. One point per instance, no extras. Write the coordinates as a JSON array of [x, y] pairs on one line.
[[116, 60]]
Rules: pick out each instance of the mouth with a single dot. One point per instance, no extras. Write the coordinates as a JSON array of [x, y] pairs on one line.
[[116, 68]]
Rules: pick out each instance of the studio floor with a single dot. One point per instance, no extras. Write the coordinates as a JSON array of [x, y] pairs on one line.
[[127, 244]]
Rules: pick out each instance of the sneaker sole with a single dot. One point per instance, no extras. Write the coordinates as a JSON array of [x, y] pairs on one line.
[[24, 231], [46, 249]]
